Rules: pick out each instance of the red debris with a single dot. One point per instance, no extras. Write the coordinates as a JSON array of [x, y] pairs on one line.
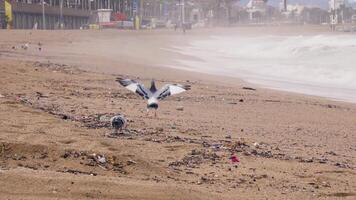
[[234, 159]]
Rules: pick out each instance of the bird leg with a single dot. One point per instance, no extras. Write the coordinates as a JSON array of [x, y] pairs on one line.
[[147, 112]]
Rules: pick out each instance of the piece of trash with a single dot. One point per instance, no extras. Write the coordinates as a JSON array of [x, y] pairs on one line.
[[63, 116], [101, 159], [104, 118], [159, 129], [41, 95], [249, 88], [256, 145], [2, 96], [131, 162], [180, 108], [234, 159], [216, 146]]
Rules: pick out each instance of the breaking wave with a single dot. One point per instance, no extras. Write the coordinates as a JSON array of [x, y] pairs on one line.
[[323, 65]]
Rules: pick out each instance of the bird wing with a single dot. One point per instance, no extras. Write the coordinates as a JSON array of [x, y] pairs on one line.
[[171, 89], [135, 87]]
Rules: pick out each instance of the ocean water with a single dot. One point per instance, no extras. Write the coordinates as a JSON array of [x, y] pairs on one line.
[[321, 65]]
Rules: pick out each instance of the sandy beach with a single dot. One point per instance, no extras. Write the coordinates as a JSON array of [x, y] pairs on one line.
[[55, 105]]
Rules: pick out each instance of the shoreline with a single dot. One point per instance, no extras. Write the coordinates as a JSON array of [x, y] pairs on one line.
[[167, 57]]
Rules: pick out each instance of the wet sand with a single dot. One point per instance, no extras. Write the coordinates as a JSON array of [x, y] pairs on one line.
[[55, 104]]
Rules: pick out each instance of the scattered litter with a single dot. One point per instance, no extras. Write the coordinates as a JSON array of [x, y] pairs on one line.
[[195, 158], [73, 171], [2, 96], [95, 160]]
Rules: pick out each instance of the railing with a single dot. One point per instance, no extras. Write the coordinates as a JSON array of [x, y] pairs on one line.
[[49, 10]]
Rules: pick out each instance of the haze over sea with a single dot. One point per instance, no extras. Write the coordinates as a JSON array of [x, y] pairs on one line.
[[321, 65]]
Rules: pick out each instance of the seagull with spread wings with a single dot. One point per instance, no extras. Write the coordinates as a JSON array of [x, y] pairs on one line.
[[152, 95]]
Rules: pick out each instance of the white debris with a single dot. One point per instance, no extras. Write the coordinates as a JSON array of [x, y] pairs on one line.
[[102, 159], [256, 145]]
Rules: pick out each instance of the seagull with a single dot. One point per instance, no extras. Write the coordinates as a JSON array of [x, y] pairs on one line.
[[25, 46], [39, 46], [118, 122], [153, 95]]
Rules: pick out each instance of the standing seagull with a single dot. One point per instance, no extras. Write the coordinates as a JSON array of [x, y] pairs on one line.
[[118, 122], [152, 95], [25, 46]]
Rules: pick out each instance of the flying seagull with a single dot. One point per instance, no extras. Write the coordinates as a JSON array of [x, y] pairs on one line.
[[152, 95]]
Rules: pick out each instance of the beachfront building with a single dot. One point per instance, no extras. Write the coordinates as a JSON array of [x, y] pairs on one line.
[[69, 14], [47, 14]]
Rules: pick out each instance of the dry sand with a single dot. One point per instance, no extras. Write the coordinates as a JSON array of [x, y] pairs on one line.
[[54, 106]]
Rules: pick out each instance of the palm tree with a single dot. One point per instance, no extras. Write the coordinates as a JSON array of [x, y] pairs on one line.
[[229, 4]]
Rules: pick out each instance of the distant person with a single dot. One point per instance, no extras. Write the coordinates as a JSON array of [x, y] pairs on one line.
[[35, 26], [6, 22]]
